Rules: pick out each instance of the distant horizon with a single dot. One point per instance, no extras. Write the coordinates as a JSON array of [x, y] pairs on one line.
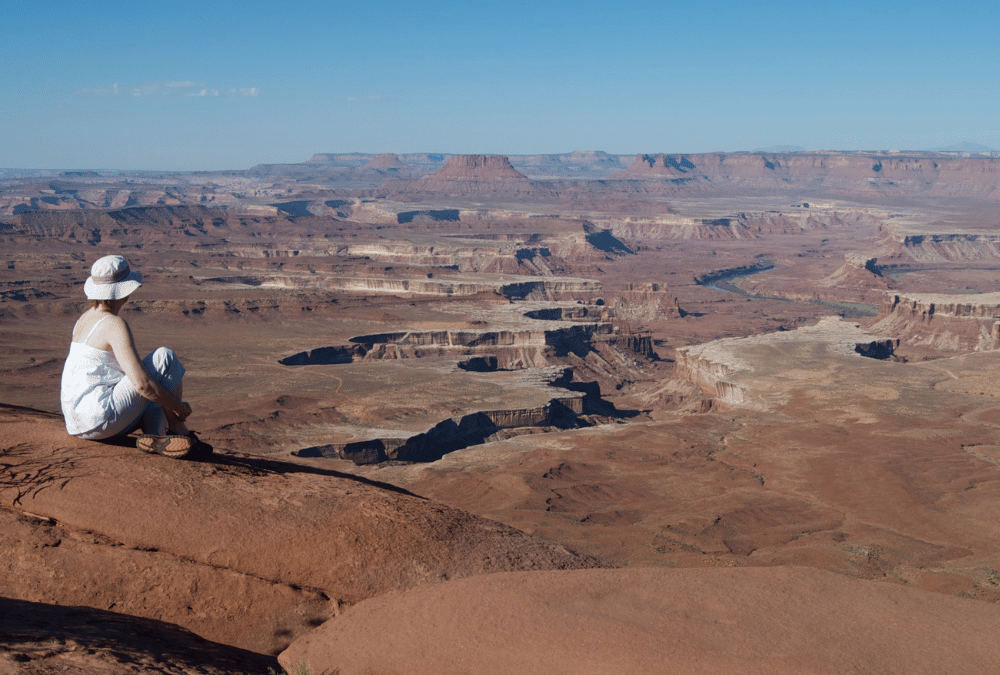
[[946, 149]]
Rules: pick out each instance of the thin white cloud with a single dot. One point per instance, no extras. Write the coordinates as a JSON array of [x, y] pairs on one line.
[[173, 88], [98, 91]]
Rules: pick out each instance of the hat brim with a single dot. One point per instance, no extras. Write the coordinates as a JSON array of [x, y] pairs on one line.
[[116, 291]]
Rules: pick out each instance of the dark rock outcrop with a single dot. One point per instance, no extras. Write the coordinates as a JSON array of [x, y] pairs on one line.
[[717, 275], [457, 433]]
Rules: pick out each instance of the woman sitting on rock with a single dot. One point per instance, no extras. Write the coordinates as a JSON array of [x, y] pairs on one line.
[[107, 390]]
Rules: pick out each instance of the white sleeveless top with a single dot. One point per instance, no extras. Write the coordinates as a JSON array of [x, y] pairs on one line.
[[88, 380]]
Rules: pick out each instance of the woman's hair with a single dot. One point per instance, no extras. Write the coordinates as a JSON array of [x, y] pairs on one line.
[[101, 304]]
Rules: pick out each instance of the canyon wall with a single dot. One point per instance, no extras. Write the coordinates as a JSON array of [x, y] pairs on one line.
[[710, 369], [744, 225], [904, 173], [456, 433], [590, 181], [945, 323], [715, 275], [514, 349], [943, 246], [541, 288]]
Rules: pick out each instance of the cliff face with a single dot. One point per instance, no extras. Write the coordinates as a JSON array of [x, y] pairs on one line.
[[646, 302], [744, 225], [488, 257], [456, 433], [945, 246], [860, 172], [710, 369], [512, 349], [945, 323], [180, 227], [524, 288]]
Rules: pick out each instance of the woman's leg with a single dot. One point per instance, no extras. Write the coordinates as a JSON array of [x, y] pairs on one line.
[[155, 420], [131, 411], [164, 365]]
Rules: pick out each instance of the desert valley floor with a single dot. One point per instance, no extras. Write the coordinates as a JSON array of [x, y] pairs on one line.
[[419, 369]]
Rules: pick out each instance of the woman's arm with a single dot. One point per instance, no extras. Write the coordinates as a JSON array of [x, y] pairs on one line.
[[119, 336]]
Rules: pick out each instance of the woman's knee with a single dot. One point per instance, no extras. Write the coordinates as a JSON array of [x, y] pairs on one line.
[[163, 355], [164, 364]]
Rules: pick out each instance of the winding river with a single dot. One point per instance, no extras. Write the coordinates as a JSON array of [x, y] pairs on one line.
[[729, 283]]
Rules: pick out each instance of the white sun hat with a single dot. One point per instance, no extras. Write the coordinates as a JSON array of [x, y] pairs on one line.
[[111, 279]]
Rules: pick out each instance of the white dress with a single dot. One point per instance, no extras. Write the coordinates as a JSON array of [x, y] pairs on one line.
[[99, 401], [88, 384]]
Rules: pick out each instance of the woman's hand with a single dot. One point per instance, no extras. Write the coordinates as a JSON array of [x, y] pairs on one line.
[[183, 411]]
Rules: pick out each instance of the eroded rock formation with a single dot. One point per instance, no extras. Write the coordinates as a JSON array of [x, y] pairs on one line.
[[745, 225], [644, 302], [902, 173], [477, 168], [465, 176], [940, 322], [944, 246], [742, 270], [860, 278], [452, 434], [531, 345]]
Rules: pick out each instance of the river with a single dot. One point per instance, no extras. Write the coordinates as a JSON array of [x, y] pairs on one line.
[[848, 310]]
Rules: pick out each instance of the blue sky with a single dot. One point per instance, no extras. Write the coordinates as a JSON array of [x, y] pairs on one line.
[[226, 85]]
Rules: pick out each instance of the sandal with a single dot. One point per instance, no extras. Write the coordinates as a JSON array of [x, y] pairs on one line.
[[176, 447]]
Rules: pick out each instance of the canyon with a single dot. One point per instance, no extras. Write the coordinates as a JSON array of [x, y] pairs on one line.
[[431, 378]]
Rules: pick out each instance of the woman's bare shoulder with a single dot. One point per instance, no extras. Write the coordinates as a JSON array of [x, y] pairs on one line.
[[99, 329], [115, 324]]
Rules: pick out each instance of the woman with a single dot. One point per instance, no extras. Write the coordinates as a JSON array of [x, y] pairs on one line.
[[107, 390]]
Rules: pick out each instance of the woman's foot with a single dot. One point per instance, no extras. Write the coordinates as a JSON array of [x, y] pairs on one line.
[[173, 445]]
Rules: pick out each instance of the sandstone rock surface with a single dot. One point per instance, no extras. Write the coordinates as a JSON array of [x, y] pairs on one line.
[[232, 547], [773, 621]]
